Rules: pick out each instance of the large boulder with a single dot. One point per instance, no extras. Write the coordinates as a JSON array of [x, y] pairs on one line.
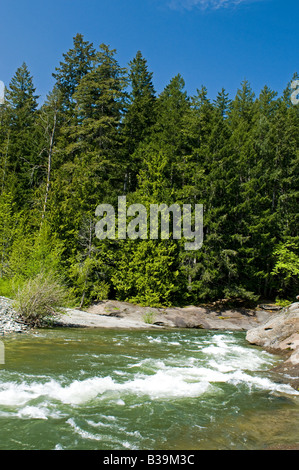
[[277, 333], [280, 334]]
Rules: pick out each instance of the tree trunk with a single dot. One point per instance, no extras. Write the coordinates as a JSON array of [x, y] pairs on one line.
[[51, 144]]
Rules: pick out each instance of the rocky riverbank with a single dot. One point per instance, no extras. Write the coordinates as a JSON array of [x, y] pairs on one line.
[[114, 314], [9, 320], [268, 326], [280, 335], [273, 329]]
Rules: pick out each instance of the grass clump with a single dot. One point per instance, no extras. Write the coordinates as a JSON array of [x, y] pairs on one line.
[[149, 317], [39, 299]]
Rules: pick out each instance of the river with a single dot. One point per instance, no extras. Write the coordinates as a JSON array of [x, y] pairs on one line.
[[71, 389]]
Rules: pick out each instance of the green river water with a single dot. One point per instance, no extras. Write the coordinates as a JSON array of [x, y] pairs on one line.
[[81, 389]]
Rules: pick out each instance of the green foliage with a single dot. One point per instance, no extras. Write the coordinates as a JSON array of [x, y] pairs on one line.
[[87, 268], [87, 283], [104, 132], [77, 62], [149, 317], [40, 299], [8, 228], [282, 302], [21, 154], [147, 273], [239, 292], [6, 288], [33, 254], [286, 268]]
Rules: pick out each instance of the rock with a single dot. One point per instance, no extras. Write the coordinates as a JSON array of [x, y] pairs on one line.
[[115, 314], [276, 329], [273, 308], [207, 318], [291, 343], [179, 317], [280, 335], [9, 320], [80, 319]]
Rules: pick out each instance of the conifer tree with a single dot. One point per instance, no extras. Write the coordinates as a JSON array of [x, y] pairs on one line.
[[95, 140], [147, 271], [8, 219], [172, 106], [102, 133], [92, 172], [49, 123], [77, 62], [139, 117], [22, 148]]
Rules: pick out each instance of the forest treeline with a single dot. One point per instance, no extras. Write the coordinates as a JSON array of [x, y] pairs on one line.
[[104, 132]]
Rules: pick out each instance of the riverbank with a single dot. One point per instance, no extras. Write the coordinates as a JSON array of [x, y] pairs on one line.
[[268, 326], [10, 322], [124, 315], [115, 314], [280, 335], [275, 330]]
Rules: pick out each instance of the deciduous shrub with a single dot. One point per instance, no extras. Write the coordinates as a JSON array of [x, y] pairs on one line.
[[39, 299]]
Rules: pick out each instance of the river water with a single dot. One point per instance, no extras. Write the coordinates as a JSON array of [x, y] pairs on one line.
[[151, 389]]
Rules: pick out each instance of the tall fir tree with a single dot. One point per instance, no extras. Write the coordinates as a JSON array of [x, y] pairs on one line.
[[22, 148], [92, 172], [77, 62], [139, 117]]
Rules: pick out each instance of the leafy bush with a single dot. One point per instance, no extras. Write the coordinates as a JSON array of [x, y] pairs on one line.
[[240, 293], [6, 289], [282, 302], [39, 299], [286, 269], [35, 253]]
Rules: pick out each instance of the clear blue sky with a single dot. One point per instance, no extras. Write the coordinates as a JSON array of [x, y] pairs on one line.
[[216, 43]]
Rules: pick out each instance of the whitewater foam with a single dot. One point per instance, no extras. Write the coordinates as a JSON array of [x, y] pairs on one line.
[[220, 359], [164, 384]]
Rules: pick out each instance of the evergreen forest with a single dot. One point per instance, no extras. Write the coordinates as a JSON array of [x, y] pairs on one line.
[[104, 132]]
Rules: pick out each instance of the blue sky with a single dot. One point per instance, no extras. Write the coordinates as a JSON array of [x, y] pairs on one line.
[[216, 43]]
